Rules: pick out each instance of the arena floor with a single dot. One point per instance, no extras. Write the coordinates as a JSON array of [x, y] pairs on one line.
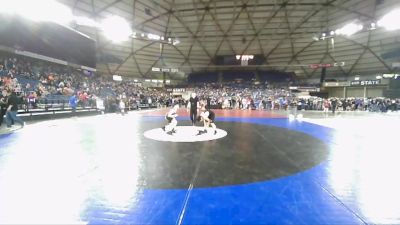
[[266, 169]]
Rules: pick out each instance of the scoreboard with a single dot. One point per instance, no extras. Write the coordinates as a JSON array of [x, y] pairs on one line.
[[227, 60]]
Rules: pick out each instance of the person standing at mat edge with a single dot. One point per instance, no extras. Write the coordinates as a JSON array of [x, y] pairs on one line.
[[12, 110], [73, 101], [192, 106], [3, 105]]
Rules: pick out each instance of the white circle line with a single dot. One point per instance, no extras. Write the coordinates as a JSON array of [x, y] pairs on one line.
[[185, 134]]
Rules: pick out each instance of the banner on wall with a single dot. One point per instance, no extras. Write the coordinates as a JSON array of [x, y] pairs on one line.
[[176, 90], [305, 89], [167, 70], [365, 82], [337, 84]]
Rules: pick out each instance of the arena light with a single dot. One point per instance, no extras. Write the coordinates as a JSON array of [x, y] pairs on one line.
[[84, 21], [388, 75], [9, 7], [58, 12], [38, 11], [349, 29], [390, 20], [116, 29], [372, 26], [153, 37], [117, 78], [244, 57]]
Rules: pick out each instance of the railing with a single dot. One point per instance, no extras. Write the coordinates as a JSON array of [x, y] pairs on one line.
[[51, 104], [60, 104]]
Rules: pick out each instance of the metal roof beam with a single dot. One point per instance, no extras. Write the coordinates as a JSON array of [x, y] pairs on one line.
[[264, 25], [292, 45], [106, 7], [224, 36], [299, 52], [364, 51], [253, 27], [281, 4], [187, 58], [315, 12]]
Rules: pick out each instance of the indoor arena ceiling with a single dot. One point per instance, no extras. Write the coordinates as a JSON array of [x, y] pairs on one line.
[[285, 32]]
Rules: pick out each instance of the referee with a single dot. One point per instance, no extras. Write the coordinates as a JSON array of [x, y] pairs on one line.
[[192, 106]]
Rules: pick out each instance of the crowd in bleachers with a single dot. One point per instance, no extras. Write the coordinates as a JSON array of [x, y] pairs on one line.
[[35, 80], [238, 95], [265, 97], [349, 104]]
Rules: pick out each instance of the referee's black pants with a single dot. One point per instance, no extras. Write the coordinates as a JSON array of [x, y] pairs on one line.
[[193, 115], [2, 113]]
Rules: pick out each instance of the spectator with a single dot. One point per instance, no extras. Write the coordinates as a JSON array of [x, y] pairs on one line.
[[3, 105], [12, 109], [2, 71], [122, 107], [73, 101], [333, 105]]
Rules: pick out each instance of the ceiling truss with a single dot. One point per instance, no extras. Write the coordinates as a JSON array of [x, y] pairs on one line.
[[280, 30]]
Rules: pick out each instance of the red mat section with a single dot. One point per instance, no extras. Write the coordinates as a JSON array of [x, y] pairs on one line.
[[224, 113]]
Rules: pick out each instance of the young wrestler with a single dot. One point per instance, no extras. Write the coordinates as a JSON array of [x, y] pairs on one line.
[[208, 118], [171, 118]]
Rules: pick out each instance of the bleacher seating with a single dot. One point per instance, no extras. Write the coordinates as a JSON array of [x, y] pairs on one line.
[[24, 81]]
